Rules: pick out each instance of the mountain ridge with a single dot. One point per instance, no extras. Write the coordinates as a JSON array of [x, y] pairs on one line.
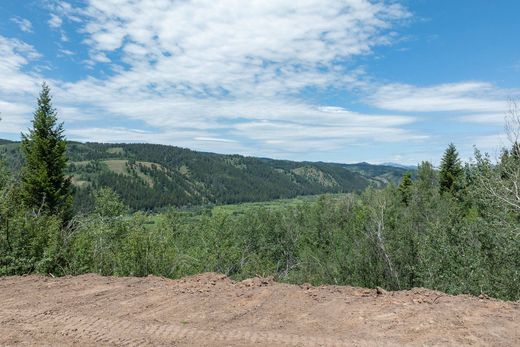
[[151, 176]]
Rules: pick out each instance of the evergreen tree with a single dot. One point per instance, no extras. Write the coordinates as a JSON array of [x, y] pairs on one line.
[[451, 170], [4, 173], [405, 188], [44, 185]]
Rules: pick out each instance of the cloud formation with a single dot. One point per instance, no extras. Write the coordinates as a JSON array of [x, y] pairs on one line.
[[475, 102], [24, 24], [17, 84], [234, 70], [232, 48], [231, 76]]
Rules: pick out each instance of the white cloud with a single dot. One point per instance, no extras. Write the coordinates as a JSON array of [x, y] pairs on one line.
[[13, 116], [485, 118], [24, 24], [299, 124], [458, 97], [17, 85], [15, 56], [100, 58], [55, 21], [183, 138], [492, 142], [63, 36], [66, 52], [214, 139]]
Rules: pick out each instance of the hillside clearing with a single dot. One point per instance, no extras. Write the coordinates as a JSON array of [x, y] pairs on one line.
[[212, 310]]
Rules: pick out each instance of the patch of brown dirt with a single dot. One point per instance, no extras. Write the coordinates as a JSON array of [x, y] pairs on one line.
[[212, 310]]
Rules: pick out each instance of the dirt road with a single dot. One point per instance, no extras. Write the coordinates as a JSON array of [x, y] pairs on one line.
[[212, 310]]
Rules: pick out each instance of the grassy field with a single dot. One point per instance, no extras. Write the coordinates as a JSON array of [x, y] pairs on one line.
[[121, 167], [195, 213]]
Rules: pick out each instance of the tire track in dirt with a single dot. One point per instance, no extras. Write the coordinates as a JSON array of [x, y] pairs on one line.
[[98, 330]]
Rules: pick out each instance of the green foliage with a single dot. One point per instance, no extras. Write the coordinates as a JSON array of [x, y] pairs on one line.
[[369, 239], [405, 188], [32, 211], [108, 203], [28, 242], [4, 174], [501, 181], [451, 171], [45, 187], [426, 176]]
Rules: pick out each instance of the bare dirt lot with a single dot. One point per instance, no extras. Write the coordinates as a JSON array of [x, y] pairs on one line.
[[212, 310]]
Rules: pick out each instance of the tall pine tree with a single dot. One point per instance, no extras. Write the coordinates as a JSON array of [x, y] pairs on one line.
[[451, 170], [45, 187]]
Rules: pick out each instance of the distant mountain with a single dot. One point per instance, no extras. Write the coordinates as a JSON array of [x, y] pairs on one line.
[[149, 176], [407, 167], [379, 174]]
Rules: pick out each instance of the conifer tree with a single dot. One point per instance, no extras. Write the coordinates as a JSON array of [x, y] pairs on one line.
[[45, 187], [451, 170], [405, 188], [4, 173]]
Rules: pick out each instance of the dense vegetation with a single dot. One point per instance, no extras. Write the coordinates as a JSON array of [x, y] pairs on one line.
[[455, 230], [150, 177]]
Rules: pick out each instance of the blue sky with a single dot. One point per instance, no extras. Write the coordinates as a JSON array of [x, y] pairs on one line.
[[330, 80]]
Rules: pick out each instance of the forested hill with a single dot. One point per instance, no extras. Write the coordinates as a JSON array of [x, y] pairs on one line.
[[149, 176]]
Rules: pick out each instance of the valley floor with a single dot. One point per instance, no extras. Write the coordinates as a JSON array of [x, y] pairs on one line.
[[212, 310]]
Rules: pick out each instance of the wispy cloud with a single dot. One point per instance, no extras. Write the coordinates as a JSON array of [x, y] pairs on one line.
[[17, 85], [214, 139], [16, 55], [66, 52], [493, 143], [485, 118], [465, 96], [24, 24], [55, 21]]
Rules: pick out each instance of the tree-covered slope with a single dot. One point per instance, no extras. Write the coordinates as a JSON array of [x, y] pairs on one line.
[[149, 176]]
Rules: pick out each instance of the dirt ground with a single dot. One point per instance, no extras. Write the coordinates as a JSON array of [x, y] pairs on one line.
[[212, 310]]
